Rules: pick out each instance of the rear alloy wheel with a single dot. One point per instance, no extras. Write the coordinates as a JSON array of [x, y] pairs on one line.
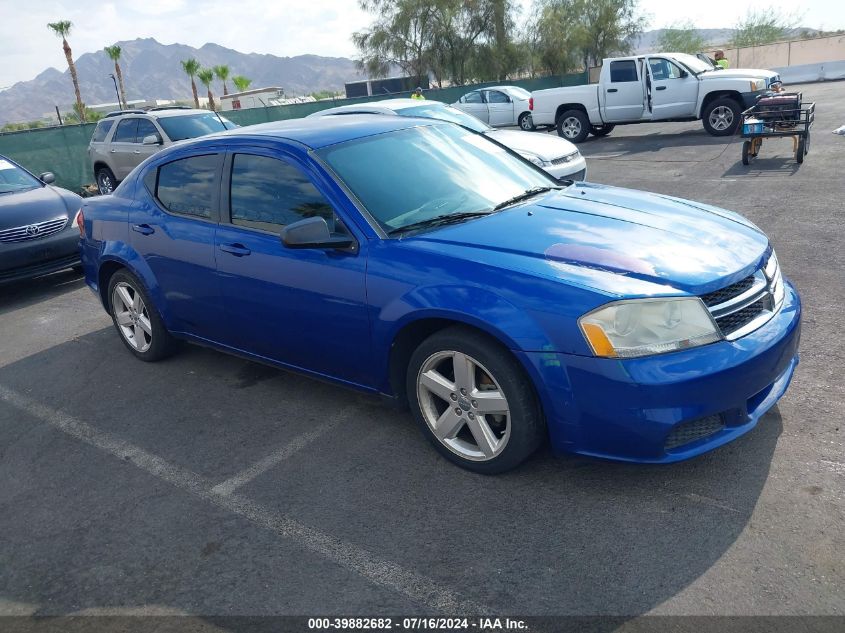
[[526, 124], [135, 317], [473, 401], [721, 117], [573, 125], [105, 181]]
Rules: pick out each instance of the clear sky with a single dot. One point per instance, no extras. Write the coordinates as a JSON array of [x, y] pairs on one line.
[[279, 27]]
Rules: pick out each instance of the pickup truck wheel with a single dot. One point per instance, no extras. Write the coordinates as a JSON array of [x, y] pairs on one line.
[[573, 125], [525, 123], [602, 130], [721, 117]]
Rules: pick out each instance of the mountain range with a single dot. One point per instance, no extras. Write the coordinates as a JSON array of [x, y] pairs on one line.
[[152, 70]]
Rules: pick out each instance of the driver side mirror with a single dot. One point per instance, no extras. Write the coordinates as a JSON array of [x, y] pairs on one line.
[[47, 177], [684, 74], [313, 233], [152, 139]]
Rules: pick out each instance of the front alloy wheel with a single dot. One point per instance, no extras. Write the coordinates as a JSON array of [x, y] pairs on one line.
[[463, 405]]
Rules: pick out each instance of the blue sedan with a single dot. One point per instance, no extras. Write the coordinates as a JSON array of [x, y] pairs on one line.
[[412, 258]]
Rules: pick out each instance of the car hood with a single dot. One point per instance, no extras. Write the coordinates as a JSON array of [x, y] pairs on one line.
[[738, 73], [29, 207], [545, 146], [672, 242]]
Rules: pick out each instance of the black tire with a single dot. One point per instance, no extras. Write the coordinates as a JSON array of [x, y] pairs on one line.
[[106, 182], [602, 130], [717, 109], [573, 125], [526, 426], [746, 152], [161, 344], [807, 143], [800, 151], [525, 123]]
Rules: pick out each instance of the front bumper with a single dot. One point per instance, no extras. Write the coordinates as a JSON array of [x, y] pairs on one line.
[[33, 258], [637, 409], [575, 169]]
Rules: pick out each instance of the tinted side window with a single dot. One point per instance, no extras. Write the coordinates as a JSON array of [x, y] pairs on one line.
[[125, 132], [267, 193], [621, 71], [145, 128], [473, 97], [102, 130], [494, 96], [187, 186]]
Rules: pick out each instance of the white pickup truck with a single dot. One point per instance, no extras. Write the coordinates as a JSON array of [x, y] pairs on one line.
[[656, 87]]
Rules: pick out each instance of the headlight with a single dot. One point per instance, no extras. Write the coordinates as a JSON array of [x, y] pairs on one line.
[[641, 327], [758, 84], [775, 279], [533, 158]]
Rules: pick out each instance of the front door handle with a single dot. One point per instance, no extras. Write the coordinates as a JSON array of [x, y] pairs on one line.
[[143, 229], [114, 151], [612, 90], [137, 151], [238, 250], [661, 88]]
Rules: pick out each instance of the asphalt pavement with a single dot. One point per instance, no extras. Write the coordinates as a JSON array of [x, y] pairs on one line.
[[211, 486]]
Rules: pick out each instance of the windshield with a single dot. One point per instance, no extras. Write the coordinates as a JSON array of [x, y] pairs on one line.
[[446, 113], [409, 176], [13, 178], [519, 93], [178, 128], [692, 62]]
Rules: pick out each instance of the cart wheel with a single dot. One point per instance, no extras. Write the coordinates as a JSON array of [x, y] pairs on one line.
[[746, 152], [756, 144], [807, 143], [800, 151]]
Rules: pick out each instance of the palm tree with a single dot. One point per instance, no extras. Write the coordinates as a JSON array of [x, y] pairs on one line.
[[62, 30], [206, 76], [222, 73], [241, 82], [192, 67], [114, 54]]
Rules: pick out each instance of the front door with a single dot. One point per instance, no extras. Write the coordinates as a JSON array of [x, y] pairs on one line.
[[674, 92], [302, 307], [624, 96], [122, 147], [500, 108], [173, 231]]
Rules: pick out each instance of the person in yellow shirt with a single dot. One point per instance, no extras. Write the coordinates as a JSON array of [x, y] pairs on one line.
[[417, 94], [720, 59]]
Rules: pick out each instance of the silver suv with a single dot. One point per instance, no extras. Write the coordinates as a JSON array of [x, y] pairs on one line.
[[122, 140]]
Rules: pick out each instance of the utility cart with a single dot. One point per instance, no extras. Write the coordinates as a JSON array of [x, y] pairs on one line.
[[774, 116]]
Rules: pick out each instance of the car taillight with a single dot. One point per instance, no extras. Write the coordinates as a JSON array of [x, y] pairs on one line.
[[531, 103], [80, 223]]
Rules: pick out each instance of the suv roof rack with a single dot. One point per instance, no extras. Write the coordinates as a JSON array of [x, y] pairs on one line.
[[171, 107], [119, 112]]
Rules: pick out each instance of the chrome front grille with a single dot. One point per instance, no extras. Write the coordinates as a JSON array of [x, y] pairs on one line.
[[33, 231], [744, 306], [565, 159]]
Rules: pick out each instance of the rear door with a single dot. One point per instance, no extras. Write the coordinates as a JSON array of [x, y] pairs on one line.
[[172, 229], [625, 97], [122, 147], [499, 108], [473, 103], [302, 307], [674, 92]]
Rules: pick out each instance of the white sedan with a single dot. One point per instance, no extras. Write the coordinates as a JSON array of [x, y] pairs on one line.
[[499, 106], [555, 155]]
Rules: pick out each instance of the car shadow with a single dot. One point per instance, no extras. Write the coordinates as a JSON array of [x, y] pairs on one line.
[[27, 292], [558, 536], [765, 168]]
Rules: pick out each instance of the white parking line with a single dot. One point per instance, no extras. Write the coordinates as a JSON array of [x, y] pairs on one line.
[[298, 443], [384, 573]]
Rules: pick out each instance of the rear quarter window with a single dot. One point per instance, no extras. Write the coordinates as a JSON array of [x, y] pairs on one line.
[[102, 130]]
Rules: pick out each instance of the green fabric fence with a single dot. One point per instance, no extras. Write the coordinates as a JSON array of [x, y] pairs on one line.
[[64, 150]]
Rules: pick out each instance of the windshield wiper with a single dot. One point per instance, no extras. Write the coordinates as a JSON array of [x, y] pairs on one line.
[[528, 193], [439, 220]]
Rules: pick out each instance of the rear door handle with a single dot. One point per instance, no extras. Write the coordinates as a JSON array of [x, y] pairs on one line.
[[612, 90], [113, 151], [137, 151], [238, 250], [661, 88], [143, 229]]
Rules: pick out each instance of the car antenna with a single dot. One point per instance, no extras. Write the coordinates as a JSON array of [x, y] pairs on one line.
[[220, 118]]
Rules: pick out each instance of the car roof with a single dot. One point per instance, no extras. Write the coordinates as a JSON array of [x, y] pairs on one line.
[[387, 106], [159, 114], [318, 132]]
